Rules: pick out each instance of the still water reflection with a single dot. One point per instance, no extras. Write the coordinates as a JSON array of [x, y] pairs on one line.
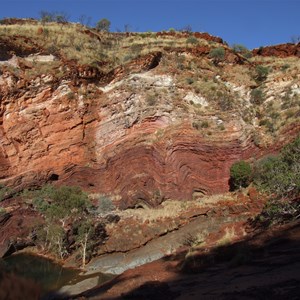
[[47, 274]]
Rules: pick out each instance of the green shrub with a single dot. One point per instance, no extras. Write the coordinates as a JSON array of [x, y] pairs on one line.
[[196, 125], [151, 99], [4, 192], [189, 80], [217, 54], [285, 67], [280, 175], [221, 127], [240, 174], [257, 96], [105, 204], [199, 125], [261, 73], [192, 40], [103, 25], [237, 48], [136, 48], [40, 204], [205, 124], [60, 202]]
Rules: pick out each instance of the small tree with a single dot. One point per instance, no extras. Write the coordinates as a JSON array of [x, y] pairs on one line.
[[241, 49], [84, 238], [240, 174], [85, 20], [46, 16], [61, 17], [103, 25], [59, 205]]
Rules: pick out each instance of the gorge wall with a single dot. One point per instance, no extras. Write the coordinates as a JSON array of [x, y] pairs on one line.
[[134, 133]]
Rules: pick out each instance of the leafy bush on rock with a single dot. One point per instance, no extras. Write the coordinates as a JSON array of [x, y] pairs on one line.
[[240, 174]]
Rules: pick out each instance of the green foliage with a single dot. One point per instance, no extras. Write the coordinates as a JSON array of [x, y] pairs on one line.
[[104, 205], [189, 80], [205, 124], [103, 25], [240, 174], [46, 16], [261, 73], [60, 202], [51, 237], [136, 48], [237, 48], [40, 204], [285, 67], [4, 192], [278, 211], [280, 175], [151, 99], [217, 54], [199, 125], [85, 232], [58, 205], [257, 96], [192, 40], [224, 101]]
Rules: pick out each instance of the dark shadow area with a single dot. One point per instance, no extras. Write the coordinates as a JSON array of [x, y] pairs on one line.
[[98, 290], [231, 185], [155, 62], [53, 177], [13, 287], [265, 266]]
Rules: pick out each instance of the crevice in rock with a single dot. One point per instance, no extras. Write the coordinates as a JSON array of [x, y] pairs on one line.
[[54, 177], [155, 61]]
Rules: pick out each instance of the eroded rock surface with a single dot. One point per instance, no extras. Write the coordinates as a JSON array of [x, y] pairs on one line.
[[143, 131], [282, 50]]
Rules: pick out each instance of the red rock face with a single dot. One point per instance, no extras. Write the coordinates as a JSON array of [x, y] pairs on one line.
[[179, 166], [200, 35], [49, 137], [112, 142], [45, 135], [282, 50]]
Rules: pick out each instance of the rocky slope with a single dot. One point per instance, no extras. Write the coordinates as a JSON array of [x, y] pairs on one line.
[[264, 266], [167, 124], [147, 121]]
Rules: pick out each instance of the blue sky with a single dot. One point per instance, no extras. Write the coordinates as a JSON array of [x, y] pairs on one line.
[[252, 23]]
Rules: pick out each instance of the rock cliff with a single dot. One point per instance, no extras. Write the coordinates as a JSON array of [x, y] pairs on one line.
[[166, 124]]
